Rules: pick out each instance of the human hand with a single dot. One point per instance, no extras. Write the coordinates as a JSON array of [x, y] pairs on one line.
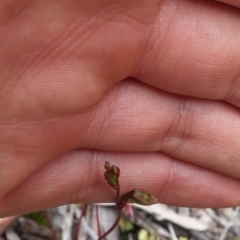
[[172, 125]]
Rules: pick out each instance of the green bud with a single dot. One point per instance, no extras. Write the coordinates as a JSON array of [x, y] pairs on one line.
[[138, 196], [143, 197], [111, 179], [116, 171]]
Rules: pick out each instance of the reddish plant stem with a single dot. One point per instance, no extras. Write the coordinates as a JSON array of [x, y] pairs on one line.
[[45, 213], [83, 210], [113, 226], [98, 223], [118, 196]]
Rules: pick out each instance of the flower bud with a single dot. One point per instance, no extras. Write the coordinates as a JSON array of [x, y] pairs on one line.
[[143, 197], [116, 171], [111, 179], [138, 196], [107, 166]]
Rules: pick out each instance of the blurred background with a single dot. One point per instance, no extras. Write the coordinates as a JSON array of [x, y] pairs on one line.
[[155, 222]]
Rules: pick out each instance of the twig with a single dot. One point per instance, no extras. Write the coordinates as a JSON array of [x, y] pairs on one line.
[[225, 231], [172, 232]]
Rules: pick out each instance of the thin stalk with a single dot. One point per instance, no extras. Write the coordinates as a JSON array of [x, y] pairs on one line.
[[83, 210], [98, 223], [118, 196], [113, 226], [45, 213]]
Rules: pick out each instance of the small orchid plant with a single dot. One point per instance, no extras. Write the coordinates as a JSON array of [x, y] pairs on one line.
[[138, 196], [112, 175]]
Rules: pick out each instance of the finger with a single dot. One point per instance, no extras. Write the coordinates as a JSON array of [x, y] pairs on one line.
[[5, 223], [132, 117], [194, 50], [193, 130], [86, 57], [235, 3], [65, 61], [79, 177]]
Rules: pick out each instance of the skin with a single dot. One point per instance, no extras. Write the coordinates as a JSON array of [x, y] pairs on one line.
[[150, 86]]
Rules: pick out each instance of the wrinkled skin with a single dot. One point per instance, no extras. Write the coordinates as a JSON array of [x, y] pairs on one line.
[[150, 86]]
